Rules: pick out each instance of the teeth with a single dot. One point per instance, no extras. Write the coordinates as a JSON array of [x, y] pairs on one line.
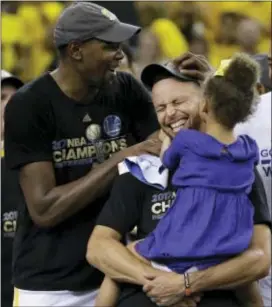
[[178, 124]]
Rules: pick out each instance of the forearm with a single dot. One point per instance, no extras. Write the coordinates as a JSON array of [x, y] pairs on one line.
[[65, 200], [154, 135], [238, 271], [117, 262]]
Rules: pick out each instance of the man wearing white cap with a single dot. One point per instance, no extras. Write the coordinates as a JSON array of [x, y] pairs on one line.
[[9, 85]]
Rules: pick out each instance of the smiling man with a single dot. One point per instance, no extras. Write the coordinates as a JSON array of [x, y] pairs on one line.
[[57, 127], [176, 109], [134, 203]]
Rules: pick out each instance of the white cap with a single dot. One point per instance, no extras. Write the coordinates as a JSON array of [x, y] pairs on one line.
[[6, 76]]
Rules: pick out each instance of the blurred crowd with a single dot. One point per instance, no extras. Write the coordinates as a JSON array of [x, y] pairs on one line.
[[214, 29]]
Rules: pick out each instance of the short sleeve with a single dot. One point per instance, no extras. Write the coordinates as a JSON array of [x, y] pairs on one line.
[[143, 115], [259, 201], [28, 131], [122, 211]]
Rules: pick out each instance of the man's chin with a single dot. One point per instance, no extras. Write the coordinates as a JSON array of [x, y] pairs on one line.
[[110, 77]]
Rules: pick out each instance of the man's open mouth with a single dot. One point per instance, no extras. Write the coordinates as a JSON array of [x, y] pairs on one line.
[[178, 125]]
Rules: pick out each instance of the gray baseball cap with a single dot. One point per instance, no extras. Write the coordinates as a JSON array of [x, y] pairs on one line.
[[82, 21], [151, 73]]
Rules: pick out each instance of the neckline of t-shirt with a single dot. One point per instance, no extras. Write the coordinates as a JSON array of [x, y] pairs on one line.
[[62, 95]]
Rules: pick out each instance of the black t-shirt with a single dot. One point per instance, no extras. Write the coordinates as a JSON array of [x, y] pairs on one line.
[[43, 124], [133, 203], [10, 199]]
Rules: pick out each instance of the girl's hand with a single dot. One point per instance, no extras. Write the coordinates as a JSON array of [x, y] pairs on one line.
[[166, 142]]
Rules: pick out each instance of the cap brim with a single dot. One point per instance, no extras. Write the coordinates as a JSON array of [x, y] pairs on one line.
[[119, 33], [151, 72], [13, 81]]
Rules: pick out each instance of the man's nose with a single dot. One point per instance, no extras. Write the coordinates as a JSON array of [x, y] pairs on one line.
[[119, 54], [170, 110]]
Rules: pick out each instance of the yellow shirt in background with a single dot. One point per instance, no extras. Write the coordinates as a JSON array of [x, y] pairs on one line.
[[172, 42], [37, 31], [259, 10], [12, 33]]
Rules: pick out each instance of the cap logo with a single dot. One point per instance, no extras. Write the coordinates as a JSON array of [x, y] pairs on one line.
[[108, 14]]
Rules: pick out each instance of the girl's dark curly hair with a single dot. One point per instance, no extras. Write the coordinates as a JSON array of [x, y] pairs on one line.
[[234, 97]]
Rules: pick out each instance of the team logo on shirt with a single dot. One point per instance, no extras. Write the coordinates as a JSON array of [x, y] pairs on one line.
[[112, 125], [265, 161], [161, 202], [91, 148]]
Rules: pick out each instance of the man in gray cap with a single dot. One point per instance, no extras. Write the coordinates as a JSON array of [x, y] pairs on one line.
[[65, 133]]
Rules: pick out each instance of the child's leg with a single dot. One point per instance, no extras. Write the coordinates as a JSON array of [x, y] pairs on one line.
[[249, 295], [108, 293]]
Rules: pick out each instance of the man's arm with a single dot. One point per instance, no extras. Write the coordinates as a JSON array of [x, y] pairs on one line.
[[251, 265], [109, 255], [119, 216], [255, 262], [248, 267], [28, 144], [49, 204]]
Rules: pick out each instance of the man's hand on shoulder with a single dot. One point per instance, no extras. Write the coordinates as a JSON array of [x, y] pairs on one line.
[[151, 146]]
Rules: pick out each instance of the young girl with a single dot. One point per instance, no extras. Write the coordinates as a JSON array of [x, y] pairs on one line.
[[211, 219]]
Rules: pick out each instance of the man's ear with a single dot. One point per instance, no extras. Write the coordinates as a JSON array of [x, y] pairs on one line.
[[74, 50]]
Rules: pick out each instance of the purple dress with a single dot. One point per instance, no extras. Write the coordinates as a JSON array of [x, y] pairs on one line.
[[211, 219]]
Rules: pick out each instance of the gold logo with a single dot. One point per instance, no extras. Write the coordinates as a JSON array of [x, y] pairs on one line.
[[108, 14]]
